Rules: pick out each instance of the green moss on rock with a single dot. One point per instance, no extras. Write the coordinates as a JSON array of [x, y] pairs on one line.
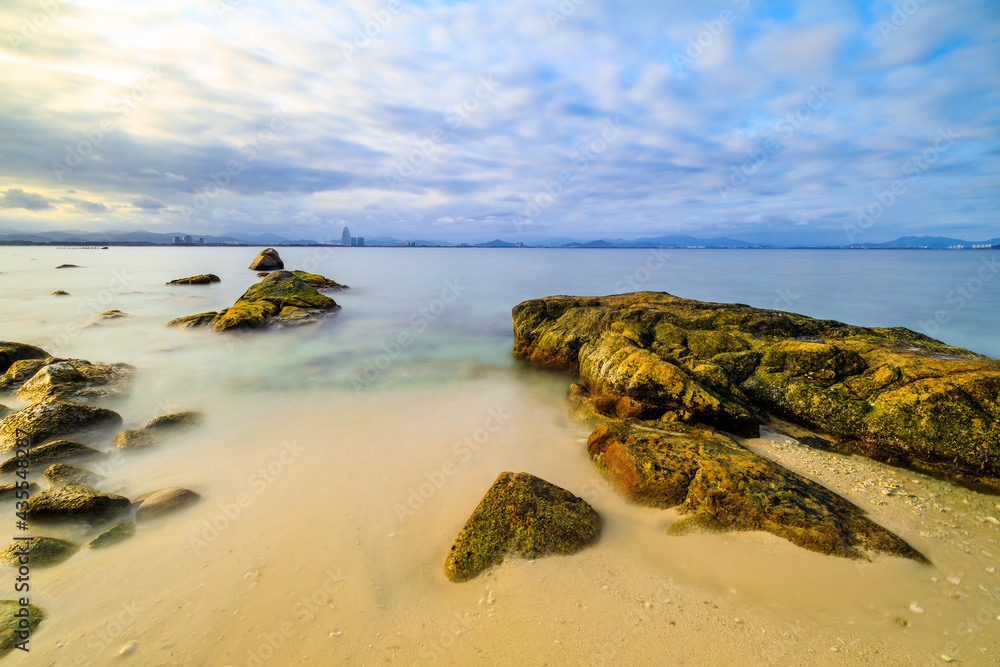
[[40, 552], [14, 628], [525, 516], [117, 533]]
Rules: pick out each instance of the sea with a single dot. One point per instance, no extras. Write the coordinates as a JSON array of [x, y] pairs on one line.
[[339, 460]]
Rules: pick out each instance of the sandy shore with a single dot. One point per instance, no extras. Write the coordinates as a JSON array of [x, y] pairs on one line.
[[300, 553]]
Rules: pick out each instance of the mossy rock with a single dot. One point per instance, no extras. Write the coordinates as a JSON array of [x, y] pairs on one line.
[[317, 281], [11, 352], [50, 420], [106, 316], [20, 372], [891, 394], [191, 321], [60, 292], [64, 474], [41, 552], [75, 503], [204, 279], [9, 491], [525, 516], [59, 450], [15, 628], [135, 439], [113, 535], [177, 421], [77, 379], [723, 486], [267, 260]]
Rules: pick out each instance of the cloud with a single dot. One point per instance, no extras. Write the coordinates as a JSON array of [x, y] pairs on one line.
[[18, 198], [84, 206], [148, 204]]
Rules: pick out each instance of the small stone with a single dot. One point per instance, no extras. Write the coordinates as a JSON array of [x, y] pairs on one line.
[[901, 622], [947, 658], [338, 633], [60, 292], [164, 501], [916, 608], [954, 580], [129, 648]]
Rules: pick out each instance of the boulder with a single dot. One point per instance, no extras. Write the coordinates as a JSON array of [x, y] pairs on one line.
[[113, 535], [71, 503], [203, 279], [165, 501], [267, 260], [51, 420], [721, 486], [9, 491], [11, 352], [40, 552], [890, 394], [20, 372], [191, 321], [177, 421], [134, 439], [525, 516], [279, 299], [64, 474], [59, 450], [11, 622], [77, 379], [317, 281]]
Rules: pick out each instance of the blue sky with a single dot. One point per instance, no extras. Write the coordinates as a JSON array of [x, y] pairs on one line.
[[826, 122]]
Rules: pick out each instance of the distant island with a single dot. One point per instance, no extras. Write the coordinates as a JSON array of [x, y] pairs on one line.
[[674, 241]]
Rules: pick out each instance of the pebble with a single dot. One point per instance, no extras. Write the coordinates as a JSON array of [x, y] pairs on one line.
[[947, 658], [338, 633], [916, 608], [129, 648], [954, 580]]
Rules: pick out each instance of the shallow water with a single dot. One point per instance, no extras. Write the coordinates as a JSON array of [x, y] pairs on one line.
[[340, 461]]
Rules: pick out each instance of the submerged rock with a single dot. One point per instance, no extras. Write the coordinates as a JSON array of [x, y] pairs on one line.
[[60, 292], [177, 421], [887, 393], [267, 260], [134, 439], [525, 516], [11, 623], [64, 379], [9, 491], [190, 321], [64, 474], [69, 503], [50, 420], [20, 372], [317, 281], [40, 552], [11, 352], [4, 411], [106, 316], [117, 533], [279, 299], [204, 279], [59, 450], [68, 266], [723, 486], [165, 501]]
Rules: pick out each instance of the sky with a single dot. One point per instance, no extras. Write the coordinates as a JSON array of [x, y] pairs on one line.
[[802, 122]]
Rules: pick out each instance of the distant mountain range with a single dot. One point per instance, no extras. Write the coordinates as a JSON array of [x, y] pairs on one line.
[[670, 240]]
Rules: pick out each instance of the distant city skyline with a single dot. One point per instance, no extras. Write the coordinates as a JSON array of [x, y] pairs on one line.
[[787, 122]]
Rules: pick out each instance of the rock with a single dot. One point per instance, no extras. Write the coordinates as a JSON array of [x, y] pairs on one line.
[[106, 316], [117, 533], [129, 648], [890, 394], [177, 421], [164, 501], [60, 292], [267, 260], [723, 486], [525, 516], [68, 266], [279, 299], [317, 281], [133, 439], [4, 411], [11, 352], [59, 450], [64, 474], [190, 321], [20, 372], [50, 420], [77, 379], [9, 491], [11, 623], [69, 503], [40, 552], [204, 279]]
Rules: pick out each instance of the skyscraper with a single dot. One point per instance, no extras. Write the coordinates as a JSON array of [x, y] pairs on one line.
[[345, 238]]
